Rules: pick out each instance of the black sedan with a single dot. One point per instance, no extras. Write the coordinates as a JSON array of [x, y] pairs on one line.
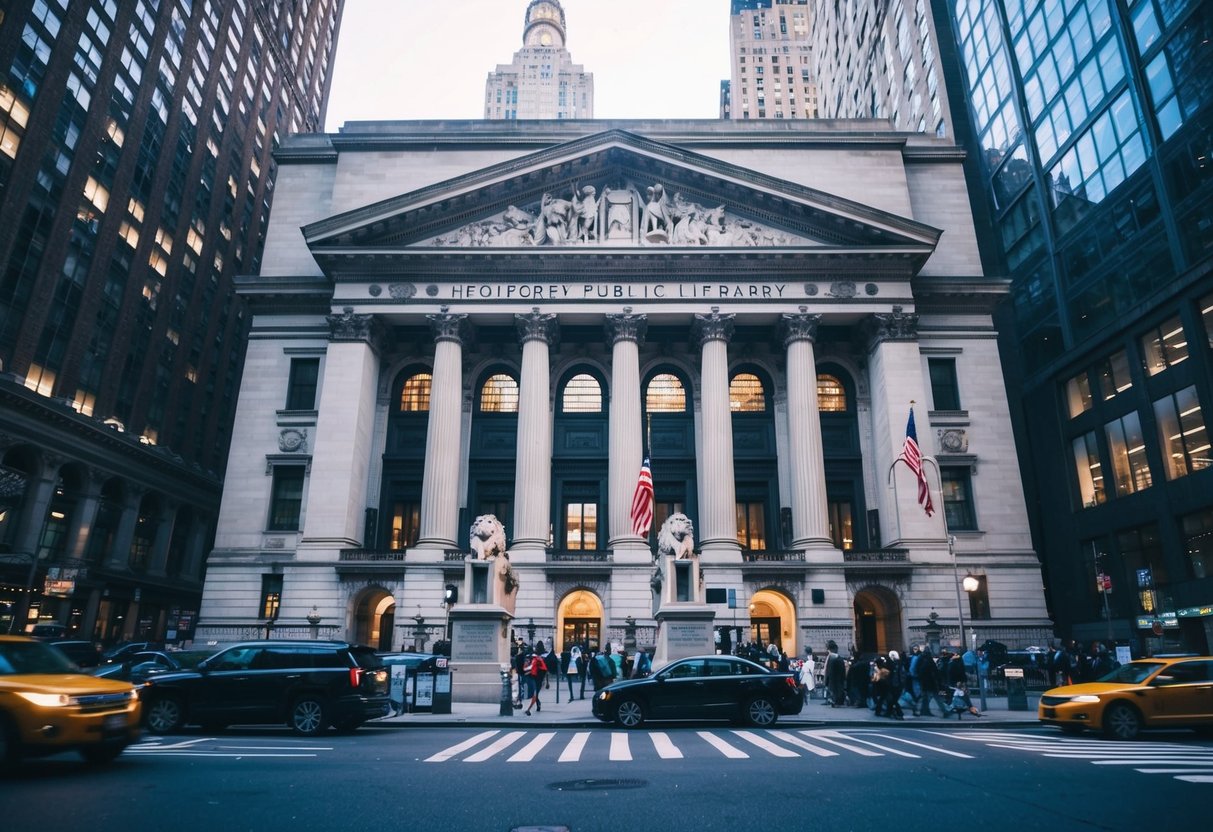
[[137, 667], [702, 687]]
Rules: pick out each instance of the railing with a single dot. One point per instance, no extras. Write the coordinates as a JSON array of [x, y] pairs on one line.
[[578, 556], [771, 556], [369, 555], [876, 556], [456, 554]]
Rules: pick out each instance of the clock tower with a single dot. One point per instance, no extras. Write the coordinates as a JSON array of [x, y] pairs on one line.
[[544, 24], [542, 82]]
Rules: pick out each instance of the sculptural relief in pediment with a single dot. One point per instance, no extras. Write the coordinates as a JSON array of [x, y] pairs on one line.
[[615, 216]]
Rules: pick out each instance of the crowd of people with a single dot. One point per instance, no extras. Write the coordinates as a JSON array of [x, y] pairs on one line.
[[533, 667]]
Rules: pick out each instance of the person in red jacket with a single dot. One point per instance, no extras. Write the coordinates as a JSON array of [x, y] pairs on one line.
[[535, 669]]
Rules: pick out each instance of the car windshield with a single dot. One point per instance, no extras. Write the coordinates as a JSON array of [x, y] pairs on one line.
[[32, 657], [1133, 673]]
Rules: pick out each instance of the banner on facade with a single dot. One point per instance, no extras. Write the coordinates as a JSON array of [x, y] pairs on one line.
[[60, 583]]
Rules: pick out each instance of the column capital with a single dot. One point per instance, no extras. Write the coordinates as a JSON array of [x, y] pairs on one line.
[[799, 327], [713, 327], [894, 326], [537, 327], [448, 327], [349, 326], [626, 327]]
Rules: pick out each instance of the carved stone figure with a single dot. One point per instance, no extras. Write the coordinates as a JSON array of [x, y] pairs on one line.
[[487, 537], [655, 221], [556, 217], [585, 208], [618, 214], [677, 537]]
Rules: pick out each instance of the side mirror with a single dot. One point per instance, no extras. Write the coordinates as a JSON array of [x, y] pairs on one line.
[[203, 666]]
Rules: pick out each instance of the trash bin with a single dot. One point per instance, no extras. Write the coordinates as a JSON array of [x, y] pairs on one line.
[[1017, 689], [441, 701]]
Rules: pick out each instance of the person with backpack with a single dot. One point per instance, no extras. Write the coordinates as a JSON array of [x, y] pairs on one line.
[[605, 668], [536, 670]]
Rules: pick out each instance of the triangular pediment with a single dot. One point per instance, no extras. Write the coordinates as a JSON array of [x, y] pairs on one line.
[[616, 190]]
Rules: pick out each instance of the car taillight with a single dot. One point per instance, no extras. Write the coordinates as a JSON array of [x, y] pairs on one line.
[[355, 676], [792, 683]]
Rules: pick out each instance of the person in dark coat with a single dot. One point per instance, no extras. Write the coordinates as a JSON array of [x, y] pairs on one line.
[[928, 680], [836, 676]]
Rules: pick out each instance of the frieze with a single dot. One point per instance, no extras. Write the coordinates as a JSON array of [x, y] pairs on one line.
[[616, 216], [401, 291]]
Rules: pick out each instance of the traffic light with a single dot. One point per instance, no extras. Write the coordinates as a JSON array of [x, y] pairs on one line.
[[451, 595]]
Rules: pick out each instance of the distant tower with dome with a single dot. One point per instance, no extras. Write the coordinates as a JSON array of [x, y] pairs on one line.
[[542, 82]]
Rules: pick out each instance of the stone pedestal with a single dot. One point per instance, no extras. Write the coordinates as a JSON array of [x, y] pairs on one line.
[[684, 620], [480, 627]]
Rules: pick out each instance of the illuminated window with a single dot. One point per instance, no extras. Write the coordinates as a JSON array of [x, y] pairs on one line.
[[581, 526], [831, 395], [582, 394], [1130, 470], [1114, 376], [415, 396], [665, 394], [271, 596], [1078, 394], [1206, 313], [1089, 470], [1182, 434], [97, 194], [84, 402], [751, 526], [1164, 346], [40, 380], [746, 394], [499, 395], [406, 525], [842, 524]]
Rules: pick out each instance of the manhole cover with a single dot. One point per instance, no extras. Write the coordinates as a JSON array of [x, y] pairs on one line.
[[595, 784]]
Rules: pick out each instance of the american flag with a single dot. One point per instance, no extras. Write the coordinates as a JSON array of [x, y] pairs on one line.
[[642, 501], [913, 458]]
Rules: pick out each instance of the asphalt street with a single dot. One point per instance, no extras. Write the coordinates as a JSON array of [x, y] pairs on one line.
[[702, 776]]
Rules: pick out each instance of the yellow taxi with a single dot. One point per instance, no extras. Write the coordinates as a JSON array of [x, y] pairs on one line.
[[1160, 692], [47, 705]]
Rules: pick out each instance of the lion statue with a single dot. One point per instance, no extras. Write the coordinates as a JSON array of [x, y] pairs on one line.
[[677, 537], [487, 537]]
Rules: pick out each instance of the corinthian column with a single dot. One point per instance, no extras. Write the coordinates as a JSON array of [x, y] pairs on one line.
[[533, 464], [440, 481], [626, 334], [717, 490], [810, 519]]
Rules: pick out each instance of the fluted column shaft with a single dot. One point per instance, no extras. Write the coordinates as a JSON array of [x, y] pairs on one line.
[[810, 517], [626, 333], [533, 463], [717, 489], [440, 483]]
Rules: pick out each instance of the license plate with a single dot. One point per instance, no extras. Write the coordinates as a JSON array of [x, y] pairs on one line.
[[114, 723], [1049, 712]]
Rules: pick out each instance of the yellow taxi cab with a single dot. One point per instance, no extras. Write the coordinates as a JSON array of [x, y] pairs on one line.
[[47, 705], [1159, 692]]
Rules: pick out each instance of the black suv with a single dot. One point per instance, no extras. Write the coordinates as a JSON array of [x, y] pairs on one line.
[[309, 685]]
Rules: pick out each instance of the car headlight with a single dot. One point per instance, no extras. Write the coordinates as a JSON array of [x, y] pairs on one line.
[[605, 695], [1085, 699], [47, 700]]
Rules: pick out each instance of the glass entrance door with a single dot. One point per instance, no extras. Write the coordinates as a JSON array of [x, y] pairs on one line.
[[582, 631], [765, 631]]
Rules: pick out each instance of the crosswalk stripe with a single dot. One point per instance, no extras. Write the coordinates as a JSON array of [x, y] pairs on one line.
[[1175, 770], [448, 753], [723, 747], [501, 744], [572, 751], [665, 748], [820, 735], [620, 752], [1176, 760], [766, 745], [1196, 778], [927, 747], [799, 743], [528, 752], [853, 738]]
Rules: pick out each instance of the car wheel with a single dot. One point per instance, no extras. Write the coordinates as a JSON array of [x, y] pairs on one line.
[[760, 712], [629, 714], [307, 716], [164, 715], [99, 755], [1121, 722]]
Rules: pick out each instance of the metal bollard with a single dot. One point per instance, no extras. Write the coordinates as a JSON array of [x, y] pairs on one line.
[[507, 701]]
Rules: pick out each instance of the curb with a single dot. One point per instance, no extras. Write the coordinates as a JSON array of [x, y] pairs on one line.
[[481, 722]]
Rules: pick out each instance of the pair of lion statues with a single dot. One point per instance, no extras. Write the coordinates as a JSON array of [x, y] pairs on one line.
[[676, 537]]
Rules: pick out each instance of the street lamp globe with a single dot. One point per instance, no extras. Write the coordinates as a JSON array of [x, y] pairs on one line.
[[970, 583]]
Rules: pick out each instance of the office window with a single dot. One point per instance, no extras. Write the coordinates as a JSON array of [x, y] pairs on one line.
[[1182, 435], [831, 394], [746, 394], [1206, 314], [271, 596], [1198, 542], [1089, 470], [1130, 470], [415, 395], [842, 524], [957, 487], [406, 524], [1145, 565], [1164, 346], [581, 526], [286, 498], [499, 395], [945, 393], [582, 394], [1114, 375], [979, 600], [665, 394], [301, 388], [751, 526], [1078, 394]]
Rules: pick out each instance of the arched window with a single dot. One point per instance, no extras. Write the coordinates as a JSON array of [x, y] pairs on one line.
[[665, 394], [746, 394], [831, 394], [582, 394], [499, 395], [415, 395]]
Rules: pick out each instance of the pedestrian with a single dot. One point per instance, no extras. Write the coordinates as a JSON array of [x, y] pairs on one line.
[[536, 670], [643, 665], [617, 656], [568, 666], [553, 669], [582, 667], [857, 680], [897, 683], [880, 686], [807, 669], [926, 681], [836, 675], [518, 667]]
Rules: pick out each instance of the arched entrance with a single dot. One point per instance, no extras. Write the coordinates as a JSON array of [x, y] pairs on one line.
[[773, 620], [878, 620], [375, 619], [579, 620]]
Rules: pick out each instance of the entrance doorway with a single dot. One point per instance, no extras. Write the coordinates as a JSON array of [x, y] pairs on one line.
[[878, 621], [579, 620], [773, 620], [375, 619]]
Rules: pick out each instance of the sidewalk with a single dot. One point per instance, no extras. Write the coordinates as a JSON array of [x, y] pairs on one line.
[[816, 714]]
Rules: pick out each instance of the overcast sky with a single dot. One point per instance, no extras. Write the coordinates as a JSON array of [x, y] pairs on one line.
[[650, 58]]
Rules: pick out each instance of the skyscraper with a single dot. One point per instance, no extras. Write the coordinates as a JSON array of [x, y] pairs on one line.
[[1091, 127], [770, 53], [136, 177], [543, 81]]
